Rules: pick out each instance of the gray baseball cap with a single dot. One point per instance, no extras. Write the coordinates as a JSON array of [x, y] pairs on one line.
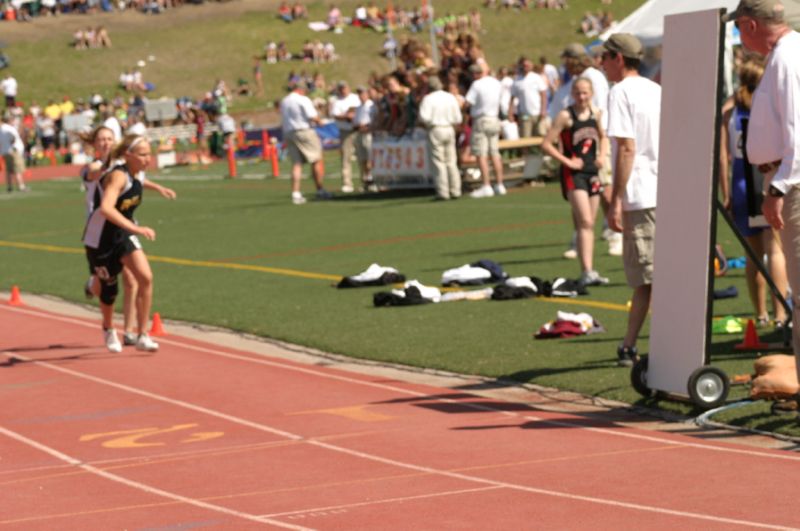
[[625, 44], [771, 10]]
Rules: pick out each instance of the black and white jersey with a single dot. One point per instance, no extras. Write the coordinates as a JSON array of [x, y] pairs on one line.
[[101, 233]]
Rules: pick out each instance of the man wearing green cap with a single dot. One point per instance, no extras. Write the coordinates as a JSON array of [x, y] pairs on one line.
[[634, 111], [773, 142]]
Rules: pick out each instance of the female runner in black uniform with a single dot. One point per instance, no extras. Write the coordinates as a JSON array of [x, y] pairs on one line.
[[111, 238], [585, 148]]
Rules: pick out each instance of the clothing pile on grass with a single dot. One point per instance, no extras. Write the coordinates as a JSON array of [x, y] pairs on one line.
[[478, 273]]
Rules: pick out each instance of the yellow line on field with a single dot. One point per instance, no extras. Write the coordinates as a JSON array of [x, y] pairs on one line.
[[278, 271], [180, 261], [583, 302]]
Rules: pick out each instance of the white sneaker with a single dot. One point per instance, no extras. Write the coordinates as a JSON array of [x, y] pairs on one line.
[[483, 191], [570, 254], [593, 278], [500, 189], [112, 341], [615, 244], [128, 339], [145, 343], [298, 199], [348, 189]]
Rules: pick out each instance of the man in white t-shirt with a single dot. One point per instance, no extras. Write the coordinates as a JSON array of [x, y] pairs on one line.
[[362, 122], [774, 140], [528, 100], [634, 109], [440, 113], [9, 86], [483, 97], [12, 150], [342, 108], [298, 116]]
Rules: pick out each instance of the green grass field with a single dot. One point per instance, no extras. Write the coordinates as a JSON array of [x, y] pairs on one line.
[[238, 254]]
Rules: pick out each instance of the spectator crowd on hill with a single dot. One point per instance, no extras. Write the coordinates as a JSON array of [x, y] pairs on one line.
[[25, 10]]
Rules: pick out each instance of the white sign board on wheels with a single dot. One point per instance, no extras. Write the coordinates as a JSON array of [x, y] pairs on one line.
[[684, 216]]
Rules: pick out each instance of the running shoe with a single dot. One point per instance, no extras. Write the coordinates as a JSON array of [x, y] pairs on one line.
[[593, 278], [145, 343], [323, 194], [615, 244], [348, 189], [626, 356], [570, 254], [129, 339], [298, 199], [112, 341], [483, 191], [500, 189]]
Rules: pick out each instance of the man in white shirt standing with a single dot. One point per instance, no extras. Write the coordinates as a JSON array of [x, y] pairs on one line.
[[12, 149], [362, 122], [483, 97], [528, 100], [9, 86], [773, 142], [634, 108], [298, 115], [440, 113], [342, 109]]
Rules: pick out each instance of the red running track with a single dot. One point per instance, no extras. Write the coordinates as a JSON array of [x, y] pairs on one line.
[[202, 436]]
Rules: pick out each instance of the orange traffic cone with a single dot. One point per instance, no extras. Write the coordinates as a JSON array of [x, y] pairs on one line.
[[157, 329], [751, 341], [15, 299]]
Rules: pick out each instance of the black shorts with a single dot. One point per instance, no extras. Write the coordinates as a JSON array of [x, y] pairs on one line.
[[580, 181], [107, 263]]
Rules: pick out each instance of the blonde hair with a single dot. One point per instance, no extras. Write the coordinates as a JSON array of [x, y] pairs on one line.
[[126, 146]]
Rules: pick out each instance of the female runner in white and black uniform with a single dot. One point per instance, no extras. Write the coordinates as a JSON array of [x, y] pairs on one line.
[[585, 147], [111, 238]]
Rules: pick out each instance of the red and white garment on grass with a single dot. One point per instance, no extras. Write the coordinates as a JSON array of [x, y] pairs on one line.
[[569, 324]]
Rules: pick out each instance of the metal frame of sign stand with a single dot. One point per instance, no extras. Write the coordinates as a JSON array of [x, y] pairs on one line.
[[682, 304]]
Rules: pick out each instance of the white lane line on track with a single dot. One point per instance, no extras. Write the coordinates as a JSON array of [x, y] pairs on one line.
[[141, 486], [380, 502], [401, 464]]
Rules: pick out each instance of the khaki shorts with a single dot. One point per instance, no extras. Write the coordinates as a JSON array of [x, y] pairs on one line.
[[638, 244], [485, 136], [363, 146], [14, 162], [304, 146]]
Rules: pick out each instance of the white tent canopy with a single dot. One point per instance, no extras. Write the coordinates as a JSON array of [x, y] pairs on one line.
[[647, 22]]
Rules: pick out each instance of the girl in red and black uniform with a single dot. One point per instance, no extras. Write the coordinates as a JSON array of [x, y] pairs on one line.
[[584, 150], [111, 237]]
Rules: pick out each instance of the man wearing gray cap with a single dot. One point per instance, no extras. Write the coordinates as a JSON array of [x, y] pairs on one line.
[[634, 111], [774, 140], [440, 113]]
